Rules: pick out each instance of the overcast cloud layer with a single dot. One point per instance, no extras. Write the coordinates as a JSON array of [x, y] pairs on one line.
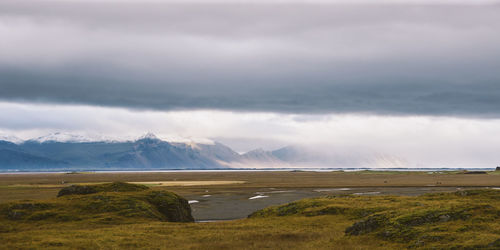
[[398, 59]]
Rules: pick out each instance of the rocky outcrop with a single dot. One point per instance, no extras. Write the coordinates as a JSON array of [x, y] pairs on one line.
[[368, 225]]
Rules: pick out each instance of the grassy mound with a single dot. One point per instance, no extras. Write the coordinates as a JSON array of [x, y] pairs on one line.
[[107, 187], [465, 219], [112, 203]]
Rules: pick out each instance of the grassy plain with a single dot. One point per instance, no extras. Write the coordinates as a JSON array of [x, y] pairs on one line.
[[465, 219], [46, 185]]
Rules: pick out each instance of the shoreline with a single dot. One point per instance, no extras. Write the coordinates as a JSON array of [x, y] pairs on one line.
[[253, 170]]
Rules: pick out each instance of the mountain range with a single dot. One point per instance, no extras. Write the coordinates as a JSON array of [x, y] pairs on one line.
[[65, 152]]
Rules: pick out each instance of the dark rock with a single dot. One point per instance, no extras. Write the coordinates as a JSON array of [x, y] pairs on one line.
[[77, 189], [172, 206], [475, 172], [495, 244], [444, 218], [18, 211], [365, 226], [15, 215]]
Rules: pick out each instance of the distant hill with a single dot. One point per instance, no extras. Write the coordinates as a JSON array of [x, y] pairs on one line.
[[65, 152], [20, 160]]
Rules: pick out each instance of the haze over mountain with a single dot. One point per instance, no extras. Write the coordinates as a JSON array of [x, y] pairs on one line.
[[66, 152]]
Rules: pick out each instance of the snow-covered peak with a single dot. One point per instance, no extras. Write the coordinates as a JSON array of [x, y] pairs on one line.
[[193, 145], [89, 137], [189, 141], [67, 137], [11, 138], [149, 136]]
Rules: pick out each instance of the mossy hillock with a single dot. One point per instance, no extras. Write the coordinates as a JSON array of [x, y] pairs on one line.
[[106, 187], [113, 203], [438, 220], [316, 207]]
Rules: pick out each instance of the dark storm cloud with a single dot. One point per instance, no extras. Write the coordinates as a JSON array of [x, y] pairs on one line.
[[293, 58]]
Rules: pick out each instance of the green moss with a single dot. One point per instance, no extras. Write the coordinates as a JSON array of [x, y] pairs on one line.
[[41, 215], [480, 193], [302, 207], [113, 203], [427, 216], [316, 207], [106, 187], [170, 205], [368, 225], [429, 220]]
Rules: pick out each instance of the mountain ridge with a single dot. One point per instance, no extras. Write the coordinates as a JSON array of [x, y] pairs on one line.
[[65, 151], [62, 152]]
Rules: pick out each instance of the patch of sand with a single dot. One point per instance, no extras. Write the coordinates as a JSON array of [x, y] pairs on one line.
[[147, 183], [35, 186], [187, 183]]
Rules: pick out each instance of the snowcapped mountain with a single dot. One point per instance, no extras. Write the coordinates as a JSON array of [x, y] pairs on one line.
[[68, 151], [10, 138], [63, 151], [148, 136], [73, 138]]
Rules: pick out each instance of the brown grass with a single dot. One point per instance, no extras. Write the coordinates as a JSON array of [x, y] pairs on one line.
[[45, 185]]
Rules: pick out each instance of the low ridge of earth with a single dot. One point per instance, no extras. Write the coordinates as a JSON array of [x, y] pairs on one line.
[[116, 202]]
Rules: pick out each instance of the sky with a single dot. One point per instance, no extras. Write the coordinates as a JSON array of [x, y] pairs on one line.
[[415, 79]]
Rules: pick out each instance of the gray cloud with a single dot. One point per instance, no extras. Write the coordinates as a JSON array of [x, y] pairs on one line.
[[292, 58]]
